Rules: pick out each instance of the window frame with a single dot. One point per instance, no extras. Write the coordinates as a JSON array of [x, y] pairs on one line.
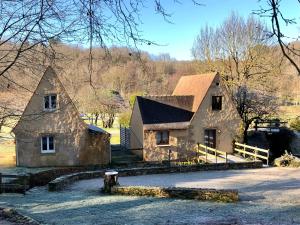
[[215, 106], [48, 150], [161, 133], [49, 97]]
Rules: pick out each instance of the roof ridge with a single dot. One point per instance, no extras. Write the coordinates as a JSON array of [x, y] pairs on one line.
[[167, 95], [164, 104]]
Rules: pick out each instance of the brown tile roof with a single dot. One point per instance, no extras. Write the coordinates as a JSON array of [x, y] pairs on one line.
[[196, 85]]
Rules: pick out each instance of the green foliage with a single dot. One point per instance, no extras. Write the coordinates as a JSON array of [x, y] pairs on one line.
[[295, 124], [124, 118], [133, 96]]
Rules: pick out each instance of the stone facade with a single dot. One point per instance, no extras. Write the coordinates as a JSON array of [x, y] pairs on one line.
[[73, 142], [184, 137], [153, 152], [227, 121]]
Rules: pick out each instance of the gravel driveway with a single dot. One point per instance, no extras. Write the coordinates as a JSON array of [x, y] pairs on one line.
[[268, 196]]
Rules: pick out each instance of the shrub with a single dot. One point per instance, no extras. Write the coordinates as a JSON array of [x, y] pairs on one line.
[[287, 160], [124, 118]]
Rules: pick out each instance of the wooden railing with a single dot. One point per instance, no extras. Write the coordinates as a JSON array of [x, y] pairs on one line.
[[247, 150], [208, 151], [20, 187]]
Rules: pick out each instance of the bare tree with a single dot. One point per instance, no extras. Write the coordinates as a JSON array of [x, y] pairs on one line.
[[100, 104], [253, 105], [30, 29], [274, 11], [240, 50]]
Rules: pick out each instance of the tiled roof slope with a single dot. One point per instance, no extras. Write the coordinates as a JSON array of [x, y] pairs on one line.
[[184, 102], [154, 112], [196, 85]]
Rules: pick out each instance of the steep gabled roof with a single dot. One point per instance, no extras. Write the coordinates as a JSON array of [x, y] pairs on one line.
[[196, 85], [47, 76], [184, 102], [154, 112]]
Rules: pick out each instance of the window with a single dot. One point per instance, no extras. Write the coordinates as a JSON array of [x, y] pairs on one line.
[[210, 138], [162, 137], [50, 102], [47, 144], [216, 102]]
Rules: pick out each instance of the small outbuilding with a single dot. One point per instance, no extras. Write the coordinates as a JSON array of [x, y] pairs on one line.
[[51, 132]]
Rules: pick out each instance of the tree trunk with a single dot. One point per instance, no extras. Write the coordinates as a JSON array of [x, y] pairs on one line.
[[111, 120], [96, 118], [245, 133]]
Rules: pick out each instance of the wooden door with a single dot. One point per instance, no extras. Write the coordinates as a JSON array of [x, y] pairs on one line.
[[210, 138]]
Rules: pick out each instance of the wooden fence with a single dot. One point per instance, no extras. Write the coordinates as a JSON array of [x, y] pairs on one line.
[[247, 150], [209, 153], [20, 185]]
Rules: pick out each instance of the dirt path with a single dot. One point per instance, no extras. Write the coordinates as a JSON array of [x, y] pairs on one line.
[[268, 196]]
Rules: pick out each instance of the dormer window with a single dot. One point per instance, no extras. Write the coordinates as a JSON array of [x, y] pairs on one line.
[[216, 103], [50, 102]]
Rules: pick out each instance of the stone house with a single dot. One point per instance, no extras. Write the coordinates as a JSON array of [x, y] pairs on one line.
[[50, 131], [199, 111]]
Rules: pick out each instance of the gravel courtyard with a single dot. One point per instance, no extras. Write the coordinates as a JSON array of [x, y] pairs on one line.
[[268, 196]]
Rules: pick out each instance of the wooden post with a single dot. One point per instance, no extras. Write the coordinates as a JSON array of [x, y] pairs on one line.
[[110, 180], [225, 157], [216, 156], [198, 151], [169, 151], [268, 157], [244, 151], [255, 156], [205, 154]]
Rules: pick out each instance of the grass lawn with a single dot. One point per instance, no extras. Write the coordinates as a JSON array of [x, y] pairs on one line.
[[114, 131], [7, 149], [289, 112], [7, 154]]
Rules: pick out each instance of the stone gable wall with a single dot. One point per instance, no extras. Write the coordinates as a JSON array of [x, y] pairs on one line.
[[70, 133]]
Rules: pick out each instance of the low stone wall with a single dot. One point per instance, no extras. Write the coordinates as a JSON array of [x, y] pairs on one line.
[[44, 177], [60, 183], [63, 181], [12, 216], [177, 192]]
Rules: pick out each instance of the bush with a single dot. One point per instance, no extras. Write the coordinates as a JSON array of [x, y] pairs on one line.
[[124, 118], [287, 160], [295, 124]]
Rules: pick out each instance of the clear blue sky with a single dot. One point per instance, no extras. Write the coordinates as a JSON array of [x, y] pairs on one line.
[[187, 19]]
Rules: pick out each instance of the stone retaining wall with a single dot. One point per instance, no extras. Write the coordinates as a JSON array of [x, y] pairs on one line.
[[44, 177], [11, 215], [63, 181], [177, 192]]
